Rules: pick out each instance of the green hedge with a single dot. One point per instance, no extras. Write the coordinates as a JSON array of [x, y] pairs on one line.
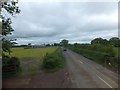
[[53, 61], [95, 56], [97, 47], [97, 53]]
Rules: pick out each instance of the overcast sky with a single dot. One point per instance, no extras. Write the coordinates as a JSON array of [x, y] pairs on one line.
[[43, 22]]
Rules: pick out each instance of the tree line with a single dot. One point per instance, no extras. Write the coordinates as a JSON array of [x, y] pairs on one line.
[[114, 41]]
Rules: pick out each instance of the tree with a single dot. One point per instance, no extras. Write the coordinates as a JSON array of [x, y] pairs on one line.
[[29, 44], [48, 45], [115, 41], [64, 42], [56, 44], [11, 7], [9, 64], [75, 44], [100, 41]]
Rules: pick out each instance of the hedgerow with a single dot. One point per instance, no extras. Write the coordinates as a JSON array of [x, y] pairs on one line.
[[98, 53], [53, 61]]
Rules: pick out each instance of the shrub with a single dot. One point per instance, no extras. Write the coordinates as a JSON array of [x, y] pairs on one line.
[[49, 62], [53, 61]]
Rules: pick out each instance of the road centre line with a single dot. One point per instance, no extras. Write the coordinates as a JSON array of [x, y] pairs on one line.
[[104, 81]]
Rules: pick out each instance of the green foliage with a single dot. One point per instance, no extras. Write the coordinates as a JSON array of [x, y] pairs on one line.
[[96, 52], [6, 26], [100, 50], [64, 42], [115, 41], [29, 44], [53, 61], [99, 41], [97, 47], [56, 44], [11, 7], [10, 64], [96, 56], [117, 51], [6, 45]]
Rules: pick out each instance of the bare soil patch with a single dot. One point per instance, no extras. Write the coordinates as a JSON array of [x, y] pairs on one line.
[[58, 79]]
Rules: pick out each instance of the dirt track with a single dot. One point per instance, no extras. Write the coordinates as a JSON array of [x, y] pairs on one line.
[[59, 79]]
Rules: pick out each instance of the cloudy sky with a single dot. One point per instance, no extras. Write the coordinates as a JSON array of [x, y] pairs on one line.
[[49, 22]]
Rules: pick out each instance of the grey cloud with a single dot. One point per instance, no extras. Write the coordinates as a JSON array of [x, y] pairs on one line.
[[51, 22], [100, 7]]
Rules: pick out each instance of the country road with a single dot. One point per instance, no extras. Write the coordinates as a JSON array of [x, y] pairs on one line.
[[85, 73]]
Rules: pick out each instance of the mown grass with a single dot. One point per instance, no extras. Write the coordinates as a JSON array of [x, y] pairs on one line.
[[20, 52], [31, 59]]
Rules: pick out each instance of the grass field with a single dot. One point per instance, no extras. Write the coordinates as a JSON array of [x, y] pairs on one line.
[[31, 59], [20, 52]]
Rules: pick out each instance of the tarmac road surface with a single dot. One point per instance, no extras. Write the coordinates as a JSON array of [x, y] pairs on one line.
[[85, 73]]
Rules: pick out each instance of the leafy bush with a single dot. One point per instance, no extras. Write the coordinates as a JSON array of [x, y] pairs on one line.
[[53, 61]]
